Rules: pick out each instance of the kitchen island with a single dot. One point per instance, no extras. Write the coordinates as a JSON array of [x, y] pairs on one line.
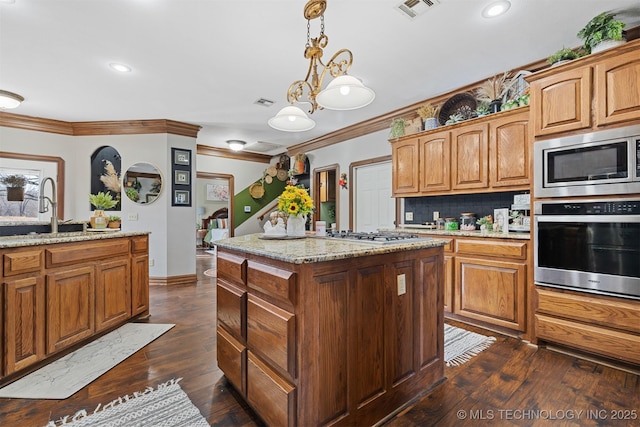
[[60, 290], [319, 331]]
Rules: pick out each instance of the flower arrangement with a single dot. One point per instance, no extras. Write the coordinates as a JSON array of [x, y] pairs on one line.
[[428, 111], [493, 89], [102, 201], [295, 201]]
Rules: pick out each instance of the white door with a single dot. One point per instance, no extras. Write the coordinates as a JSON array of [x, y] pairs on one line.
[[374, 207]]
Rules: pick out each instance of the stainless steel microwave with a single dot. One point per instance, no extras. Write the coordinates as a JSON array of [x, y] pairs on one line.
[[597, 163]]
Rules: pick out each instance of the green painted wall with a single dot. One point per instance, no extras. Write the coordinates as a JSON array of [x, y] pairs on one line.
[[243, 198]]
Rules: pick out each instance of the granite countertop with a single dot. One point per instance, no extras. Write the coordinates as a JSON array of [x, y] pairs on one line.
[[51, 238], [422, 229], [318, 249]]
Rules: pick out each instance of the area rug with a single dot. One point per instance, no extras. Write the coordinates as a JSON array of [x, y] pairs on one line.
[[461, 345], [165, 406], [65, 376]]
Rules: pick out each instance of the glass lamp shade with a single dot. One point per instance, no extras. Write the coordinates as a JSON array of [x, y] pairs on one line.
[[9, 99], [345, 93], [291, 119]]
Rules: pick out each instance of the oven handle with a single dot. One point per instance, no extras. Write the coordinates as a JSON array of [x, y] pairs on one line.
[[626, 219]]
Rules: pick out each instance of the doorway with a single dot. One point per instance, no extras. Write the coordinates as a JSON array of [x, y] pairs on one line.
[[214, 191], [374, 208], [325, 184]]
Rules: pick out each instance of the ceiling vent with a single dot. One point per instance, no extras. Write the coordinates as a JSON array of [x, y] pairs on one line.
[[413, 8], [262, 147], [264, 102]]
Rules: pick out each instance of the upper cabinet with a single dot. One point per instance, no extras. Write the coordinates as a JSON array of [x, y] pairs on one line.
[[594, 91], [480, 155]]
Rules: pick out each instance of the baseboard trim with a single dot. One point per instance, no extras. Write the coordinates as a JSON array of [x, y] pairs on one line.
[[187, 279]]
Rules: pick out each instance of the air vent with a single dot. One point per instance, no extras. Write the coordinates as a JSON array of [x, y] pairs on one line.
[[264, 102], [262, 147], [413, 8]]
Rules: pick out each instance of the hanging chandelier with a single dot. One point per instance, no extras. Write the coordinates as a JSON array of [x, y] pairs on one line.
[[344, 92]]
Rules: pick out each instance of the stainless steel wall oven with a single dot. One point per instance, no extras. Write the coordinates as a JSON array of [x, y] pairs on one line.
[[588, 245]]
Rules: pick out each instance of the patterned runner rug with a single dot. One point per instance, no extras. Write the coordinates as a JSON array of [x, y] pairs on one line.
[[461, 345], [65, 376], [165, 406]]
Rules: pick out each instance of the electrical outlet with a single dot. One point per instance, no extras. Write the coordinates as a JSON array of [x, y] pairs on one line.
[[247, 209], [402, 284], [436, 215], [133, 216], [152, 262], [408, 216]]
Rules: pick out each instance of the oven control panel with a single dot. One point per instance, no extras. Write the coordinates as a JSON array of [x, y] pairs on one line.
[[627, 207]]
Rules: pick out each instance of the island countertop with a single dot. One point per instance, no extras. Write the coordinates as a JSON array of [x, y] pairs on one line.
[[318, 249], [75, 236]]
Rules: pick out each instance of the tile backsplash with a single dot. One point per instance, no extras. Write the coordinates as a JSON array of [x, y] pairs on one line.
[[452, 206]]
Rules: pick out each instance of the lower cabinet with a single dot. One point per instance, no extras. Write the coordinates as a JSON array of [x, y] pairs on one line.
[[55, 296], [330, 343], [597, 324]]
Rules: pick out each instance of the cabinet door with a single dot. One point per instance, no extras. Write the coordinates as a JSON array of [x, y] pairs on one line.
[[435, 162], [510, 153], [561, 102], [139, 284], [491, 291], [23, 323], [113, 293], [405, 167], [617, 89], [470, 153], [70, 307]]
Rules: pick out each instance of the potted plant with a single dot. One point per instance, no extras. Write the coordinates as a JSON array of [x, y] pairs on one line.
[[492, 91], [563, 55], [602, 32], [15, 187], [132, 194], [101, 201], [428, 114], [397, 128], [114, 221]]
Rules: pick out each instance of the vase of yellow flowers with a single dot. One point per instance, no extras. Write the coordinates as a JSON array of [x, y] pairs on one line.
[[297, 204]]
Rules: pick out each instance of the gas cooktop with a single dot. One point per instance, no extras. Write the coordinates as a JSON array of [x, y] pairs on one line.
[[374, 237]]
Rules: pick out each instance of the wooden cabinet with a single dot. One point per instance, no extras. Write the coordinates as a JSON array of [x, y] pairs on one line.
[[598, 90], [330, 343], [481, 155], [606, 326], [59, 295], [70, 307], [24, 312], [470, 156], [328, 186], [405, 167]]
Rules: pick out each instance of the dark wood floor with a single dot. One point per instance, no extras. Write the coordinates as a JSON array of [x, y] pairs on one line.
[[510, 384]]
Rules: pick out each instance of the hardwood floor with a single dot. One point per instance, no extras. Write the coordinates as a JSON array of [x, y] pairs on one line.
[[509, 384]]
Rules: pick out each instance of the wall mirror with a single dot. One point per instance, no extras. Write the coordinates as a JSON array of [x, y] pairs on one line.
[[142, 183]]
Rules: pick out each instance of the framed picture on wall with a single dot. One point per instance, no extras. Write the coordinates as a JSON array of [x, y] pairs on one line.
[[182, 157], [217, 192], [181, 177], [181, 197]]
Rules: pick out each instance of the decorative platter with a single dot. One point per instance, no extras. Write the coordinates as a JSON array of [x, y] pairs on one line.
[[271, 170], [256, 190], [279, 237], [458, 102], [282, 175]]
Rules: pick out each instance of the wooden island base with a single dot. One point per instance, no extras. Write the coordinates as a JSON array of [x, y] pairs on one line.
[[337, 342]]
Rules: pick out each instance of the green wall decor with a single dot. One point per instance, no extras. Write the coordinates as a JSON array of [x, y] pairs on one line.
[[243, 198]]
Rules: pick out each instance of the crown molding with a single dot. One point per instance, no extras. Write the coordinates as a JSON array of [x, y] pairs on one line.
[[38, 124], [205, 150]]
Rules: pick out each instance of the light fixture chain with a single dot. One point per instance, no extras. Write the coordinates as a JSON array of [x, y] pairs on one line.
[[321, 25], [308, 33]]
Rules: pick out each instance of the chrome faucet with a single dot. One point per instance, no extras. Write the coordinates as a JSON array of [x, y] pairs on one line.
[[42, 208]]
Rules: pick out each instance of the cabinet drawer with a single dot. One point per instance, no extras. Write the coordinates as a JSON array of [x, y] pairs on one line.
[[139, 244], [270, 395], [22, 262], [594, 339], [603, 311], [271, 333], [232, 308], [272, 281], [77, 253], [232, 358], [232, 268], [513, 250]]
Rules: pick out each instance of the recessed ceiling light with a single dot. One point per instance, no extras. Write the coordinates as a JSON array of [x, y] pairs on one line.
[[496, 8], [236, 144], [120, 67]]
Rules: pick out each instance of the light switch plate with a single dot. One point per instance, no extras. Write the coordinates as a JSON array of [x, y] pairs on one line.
[[408, 216], [133, 216], [247, 209], [436, 215]]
